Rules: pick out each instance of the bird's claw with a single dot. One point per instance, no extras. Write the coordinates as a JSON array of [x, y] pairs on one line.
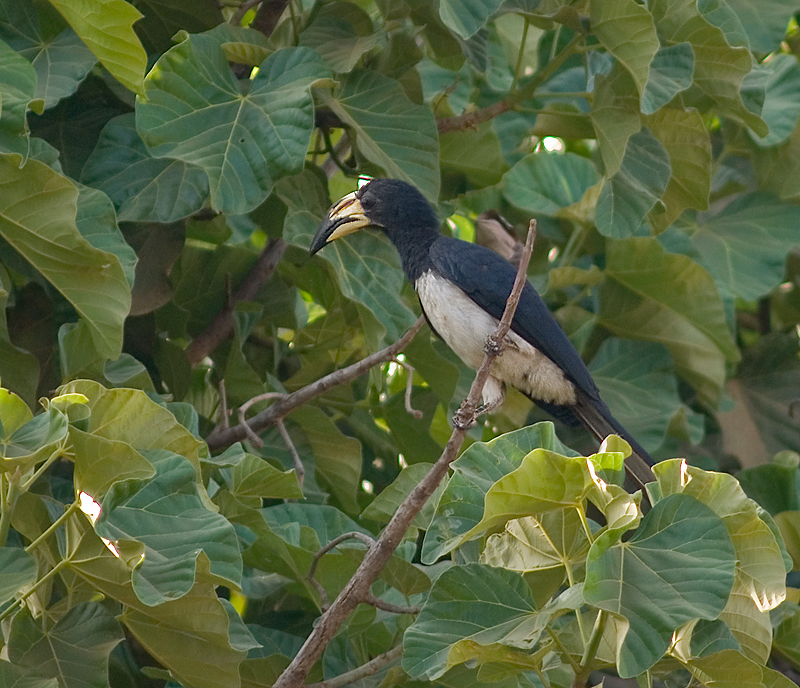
[[493, 347], [464, 419]]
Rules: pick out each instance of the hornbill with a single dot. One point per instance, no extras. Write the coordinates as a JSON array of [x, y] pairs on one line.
[[463, 289]]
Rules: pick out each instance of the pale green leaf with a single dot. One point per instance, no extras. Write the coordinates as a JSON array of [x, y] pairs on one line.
[[17, 570], [615, 115], [480, 466], [765, 22], [167, 516], [341, 33], [384, 506], [37, 217], [678, 566], [106, 26], [254, 477], [18, 84], [626, 29], [243, 142]]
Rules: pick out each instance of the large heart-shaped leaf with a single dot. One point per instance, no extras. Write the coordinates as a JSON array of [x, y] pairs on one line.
[[194, 111]]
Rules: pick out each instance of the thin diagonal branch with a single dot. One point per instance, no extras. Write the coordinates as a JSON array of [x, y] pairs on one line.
[[221, 438], [378, 555], [373, 666], [221, 327]]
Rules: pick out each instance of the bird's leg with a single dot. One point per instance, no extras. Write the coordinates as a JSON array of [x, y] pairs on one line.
[[493, 347], [494, 394]]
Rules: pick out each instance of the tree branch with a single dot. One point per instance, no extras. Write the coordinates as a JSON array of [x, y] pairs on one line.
[[221, 327], [378, 555], [224, 437], [373, 666]]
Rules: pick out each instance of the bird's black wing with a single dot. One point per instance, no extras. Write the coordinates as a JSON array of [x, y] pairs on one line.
[[487, 279]]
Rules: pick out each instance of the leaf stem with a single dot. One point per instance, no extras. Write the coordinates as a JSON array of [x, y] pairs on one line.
[[71, 509], [57, 454], [564, 651], [50, 574], [10, 491], [591, 648], [520, 55]]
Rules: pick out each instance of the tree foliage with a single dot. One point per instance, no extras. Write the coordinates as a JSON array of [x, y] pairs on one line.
[[225, 426]]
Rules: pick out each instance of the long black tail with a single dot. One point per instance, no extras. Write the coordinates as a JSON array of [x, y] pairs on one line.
[[596, 418]]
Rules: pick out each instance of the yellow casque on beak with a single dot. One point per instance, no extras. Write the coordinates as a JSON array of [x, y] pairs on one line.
[[345, 217]]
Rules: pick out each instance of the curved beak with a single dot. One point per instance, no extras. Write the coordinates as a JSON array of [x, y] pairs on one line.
[[345, 217]]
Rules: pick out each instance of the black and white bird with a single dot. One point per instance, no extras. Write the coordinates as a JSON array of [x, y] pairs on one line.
[[463, 289]]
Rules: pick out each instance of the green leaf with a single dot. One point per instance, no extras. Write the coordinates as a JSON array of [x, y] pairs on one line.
[[384, 506], [17, 569], [475, 153], [547, 183], [18, 83], [167, 516], [656, 296], [19, 370], [685, 138], [143, 188], [544, 481], [473, 603], [338, 457], [550, 540], [480, 466], [782, 100], [74, 650], [97, 223], [730, 669], [254, 477], [765, 23], [760, 569], [366, 264], [101, 462], [106, 26], [615, 115], [625, 28], [670, 73], [635, 187], [58, 55], [678, 566], [389, 129], [193, 111], [93, 281], [637, 381], [14, 412], [719, 66], [341, 33], [466, 17], [761, 423], [744, 246]]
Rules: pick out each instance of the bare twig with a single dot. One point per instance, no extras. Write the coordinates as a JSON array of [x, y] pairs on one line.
[[223, 405], [248, 431], [354, 535], [471, 120], [378, 555], [219, 439], [409, 388], [372, 667], [267, 17], [299, 468], [378, 603], [221, 327]]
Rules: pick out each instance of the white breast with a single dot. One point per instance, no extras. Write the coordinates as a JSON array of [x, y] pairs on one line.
[[464, 326]]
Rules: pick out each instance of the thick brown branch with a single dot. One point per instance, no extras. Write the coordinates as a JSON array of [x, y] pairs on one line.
[[221, 327], [378, 555], [268, 15], [221, 438]]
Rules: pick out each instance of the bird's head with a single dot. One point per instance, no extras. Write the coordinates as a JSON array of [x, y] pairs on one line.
[[391, 205]]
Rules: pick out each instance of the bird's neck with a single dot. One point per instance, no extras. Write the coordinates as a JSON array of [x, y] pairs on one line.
[[413, 245]]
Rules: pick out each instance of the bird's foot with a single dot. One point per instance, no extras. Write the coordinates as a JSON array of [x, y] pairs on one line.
[[465, 418], [493, 347]]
